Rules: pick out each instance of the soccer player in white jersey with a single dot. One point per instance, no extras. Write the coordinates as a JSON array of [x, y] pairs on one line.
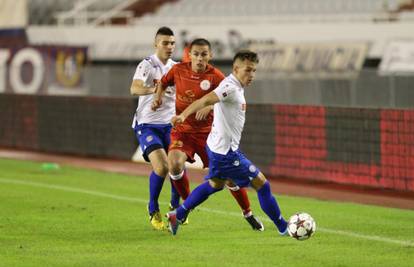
[[226, 161], [152, 128]]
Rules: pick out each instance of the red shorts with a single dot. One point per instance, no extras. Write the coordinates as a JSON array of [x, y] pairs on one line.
[[190, 143]]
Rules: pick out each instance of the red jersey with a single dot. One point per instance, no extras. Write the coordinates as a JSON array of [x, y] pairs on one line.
[[191, 86]]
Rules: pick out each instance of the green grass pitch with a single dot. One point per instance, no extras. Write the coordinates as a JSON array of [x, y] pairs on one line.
[[80, 217]]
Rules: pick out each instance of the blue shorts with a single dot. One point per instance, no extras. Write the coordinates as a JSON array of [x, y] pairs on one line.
[[234, 166], [152, 137]]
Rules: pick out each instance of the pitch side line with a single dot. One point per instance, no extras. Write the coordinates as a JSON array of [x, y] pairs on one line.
[[131, 199]]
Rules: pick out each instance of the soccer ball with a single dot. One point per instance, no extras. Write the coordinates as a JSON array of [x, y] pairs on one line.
[[301, 226]]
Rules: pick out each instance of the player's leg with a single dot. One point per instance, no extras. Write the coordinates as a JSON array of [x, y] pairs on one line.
[[268, 202], [175, 196], [151, 142], [240, 194], [196, 197], [158, 160], [177, 173]]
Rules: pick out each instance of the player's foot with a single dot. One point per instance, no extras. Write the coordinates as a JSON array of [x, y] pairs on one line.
[[171, 208], [173, 222], [156, 221], [282, 227], [185, 222], [255, 223], [284, 233]]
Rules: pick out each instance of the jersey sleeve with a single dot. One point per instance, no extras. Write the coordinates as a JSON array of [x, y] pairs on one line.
[[225, 92], [143, 71], [168, 79]]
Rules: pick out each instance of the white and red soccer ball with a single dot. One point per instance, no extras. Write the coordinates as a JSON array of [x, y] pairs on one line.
[[301, 226]]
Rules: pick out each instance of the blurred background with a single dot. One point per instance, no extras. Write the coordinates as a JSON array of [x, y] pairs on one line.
[[333, 99]]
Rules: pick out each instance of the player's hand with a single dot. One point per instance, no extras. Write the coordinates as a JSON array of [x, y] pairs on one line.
[[177, 120], [156, 103], [202, 114], [156, 82]]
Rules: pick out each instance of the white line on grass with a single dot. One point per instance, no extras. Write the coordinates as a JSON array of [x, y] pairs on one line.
[[131, 199]]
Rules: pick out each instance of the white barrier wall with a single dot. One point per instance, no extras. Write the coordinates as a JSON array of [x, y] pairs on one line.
[[130, 42]]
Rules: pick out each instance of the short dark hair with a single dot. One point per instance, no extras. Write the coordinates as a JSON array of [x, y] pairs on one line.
[[164, 31], [246, 55], [200, 41]]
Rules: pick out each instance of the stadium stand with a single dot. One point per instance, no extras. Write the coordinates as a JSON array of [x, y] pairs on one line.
[[216, 11], [85, 12], [43, 12]]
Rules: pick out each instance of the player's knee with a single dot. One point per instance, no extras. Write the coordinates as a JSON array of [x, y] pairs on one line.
[[216, 183], [175, 166], [259, 181]]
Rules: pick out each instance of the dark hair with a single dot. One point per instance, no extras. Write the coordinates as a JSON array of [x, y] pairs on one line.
[[246, 55], [165, 31], [200, 41]]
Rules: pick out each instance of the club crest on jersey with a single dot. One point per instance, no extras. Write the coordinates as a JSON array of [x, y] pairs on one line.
[[177, 143], [236, 163], [145, 73], [252, 168], [205, 84], [149, 138]]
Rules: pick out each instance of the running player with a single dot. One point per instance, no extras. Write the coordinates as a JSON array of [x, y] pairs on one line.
[[193, 80], [152, 129], [226, 161]]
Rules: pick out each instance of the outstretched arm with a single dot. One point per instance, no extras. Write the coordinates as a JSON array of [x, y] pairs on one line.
[[203, 113], [207, 100]]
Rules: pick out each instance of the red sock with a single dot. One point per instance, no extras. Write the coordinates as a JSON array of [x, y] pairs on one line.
[[243, 200], [182, 186]]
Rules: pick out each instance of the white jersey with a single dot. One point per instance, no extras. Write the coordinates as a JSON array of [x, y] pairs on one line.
[[148, 70], [229, 116]]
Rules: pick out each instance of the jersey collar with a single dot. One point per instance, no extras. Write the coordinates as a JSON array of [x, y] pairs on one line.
[[235, 81], [160, 62]]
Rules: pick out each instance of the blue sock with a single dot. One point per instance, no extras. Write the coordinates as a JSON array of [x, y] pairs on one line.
[[197, 196], [269, 205], [155, 186], [175, 197]]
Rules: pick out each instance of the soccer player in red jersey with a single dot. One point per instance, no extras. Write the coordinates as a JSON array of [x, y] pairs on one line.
[[192, 81]]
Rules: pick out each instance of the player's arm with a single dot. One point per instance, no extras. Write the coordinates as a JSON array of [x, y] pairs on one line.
[[138, 88], [208, 100], [142, 82], [166, 80], [159, 94], [202, 114]]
